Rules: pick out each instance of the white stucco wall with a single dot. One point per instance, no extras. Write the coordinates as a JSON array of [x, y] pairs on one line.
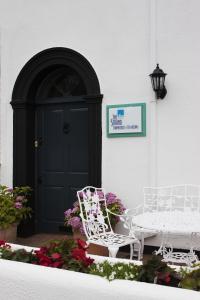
[[123, 40]]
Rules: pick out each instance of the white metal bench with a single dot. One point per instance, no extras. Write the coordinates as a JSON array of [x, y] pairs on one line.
[[169, 210]]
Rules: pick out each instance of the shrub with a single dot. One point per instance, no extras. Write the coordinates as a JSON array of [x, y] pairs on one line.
[[13, 205]]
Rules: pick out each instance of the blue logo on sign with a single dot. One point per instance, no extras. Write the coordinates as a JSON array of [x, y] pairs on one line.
[[120, 113]]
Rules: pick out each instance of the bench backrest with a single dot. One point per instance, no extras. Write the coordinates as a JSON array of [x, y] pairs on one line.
[[184, 197]]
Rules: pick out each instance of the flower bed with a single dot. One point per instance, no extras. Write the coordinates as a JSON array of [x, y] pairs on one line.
[[21, 281]]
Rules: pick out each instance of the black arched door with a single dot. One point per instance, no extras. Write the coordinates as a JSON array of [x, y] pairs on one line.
[[57, 134], [62, 160], [62, 154]]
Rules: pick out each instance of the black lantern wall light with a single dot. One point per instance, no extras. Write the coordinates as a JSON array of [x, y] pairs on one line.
[[158, 82]]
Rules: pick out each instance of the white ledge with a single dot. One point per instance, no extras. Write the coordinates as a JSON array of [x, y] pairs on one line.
[[21, 281]]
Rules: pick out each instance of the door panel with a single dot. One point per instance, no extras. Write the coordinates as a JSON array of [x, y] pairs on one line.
[[62, 161]]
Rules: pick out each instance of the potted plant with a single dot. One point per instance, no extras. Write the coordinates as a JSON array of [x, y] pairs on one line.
[[13, 208]]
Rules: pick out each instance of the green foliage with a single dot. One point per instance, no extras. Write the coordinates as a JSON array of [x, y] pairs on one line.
[[156, 271], [18, 255], [71, 255], [66, 254], [191, 280], [150, 269], [13, 205], [115, 271]]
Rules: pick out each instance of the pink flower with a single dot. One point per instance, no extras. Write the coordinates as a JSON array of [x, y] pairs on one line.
[[18, 205]]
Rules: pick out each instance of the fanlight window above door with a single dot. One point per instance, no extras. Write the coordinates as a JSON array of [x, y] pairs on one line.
[[61, 82]]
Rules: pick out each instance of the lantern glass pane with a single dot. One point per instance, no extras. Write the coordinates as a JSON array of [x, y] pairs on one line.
[[152, 82], [155, 83], [158, 83], [162, 80]]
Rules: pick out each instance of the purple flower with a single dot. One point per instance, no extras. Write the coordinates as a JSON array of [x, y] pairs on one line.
[[122, 208], [75, 222], [75, 209], [81, 229], [110, 201], [67, 213], [100, 194], [18, 205], [110, 196]]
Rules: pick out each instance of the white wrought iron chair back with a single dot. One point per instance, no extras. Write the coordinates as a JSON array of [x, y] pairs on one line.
[[94, 212], [96, 222]]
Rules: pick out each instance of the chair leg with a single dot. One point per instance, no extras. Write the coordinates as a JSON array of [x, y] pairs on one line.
[[142, 245], [139, 250], [113, 251], [131, 251]]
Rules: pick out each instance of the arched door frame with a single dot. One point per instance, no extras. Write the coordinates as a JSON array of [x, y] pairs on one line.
[[23, 103]]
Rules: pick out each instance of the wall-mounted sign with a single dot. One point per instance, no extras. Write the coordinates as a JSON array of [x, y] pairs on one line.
[[126, 120]]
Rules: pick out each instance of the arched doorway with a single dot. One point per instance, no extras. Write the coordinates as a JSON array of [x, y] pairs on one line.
[[56, 133]]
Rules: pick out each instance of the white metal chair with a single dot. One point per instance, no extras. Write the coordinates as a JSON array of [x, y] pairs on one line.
[[96, 222]]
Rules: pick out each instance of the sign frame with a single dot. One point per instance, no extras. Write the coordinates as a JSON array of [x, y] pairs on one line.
[[127, 134]]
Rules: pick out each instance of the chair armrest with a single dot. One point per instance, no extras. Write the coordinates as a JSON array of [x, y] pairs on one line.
[[128, 215], [131, 212], [112, 213]]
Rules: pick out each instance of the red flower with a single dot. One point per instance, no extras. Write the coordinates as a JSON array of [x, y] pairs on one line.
[[56, 255], [44, 263], [88, 261], [57, 264], [163, 278], [2, 243], [167, 278], [79, 254], [82, 244]]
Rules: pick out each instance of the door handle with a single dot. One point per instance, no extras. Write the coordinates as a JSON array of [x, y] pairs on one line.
[[66, 128], [38, 142]]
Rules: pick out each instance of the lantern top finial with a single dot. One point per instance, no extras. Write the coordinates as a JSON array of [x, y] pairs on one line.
[[158, 72]]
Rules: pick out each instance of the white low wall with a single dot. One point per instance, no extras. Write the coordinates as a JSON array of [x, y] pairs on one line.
[[21, 281]]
